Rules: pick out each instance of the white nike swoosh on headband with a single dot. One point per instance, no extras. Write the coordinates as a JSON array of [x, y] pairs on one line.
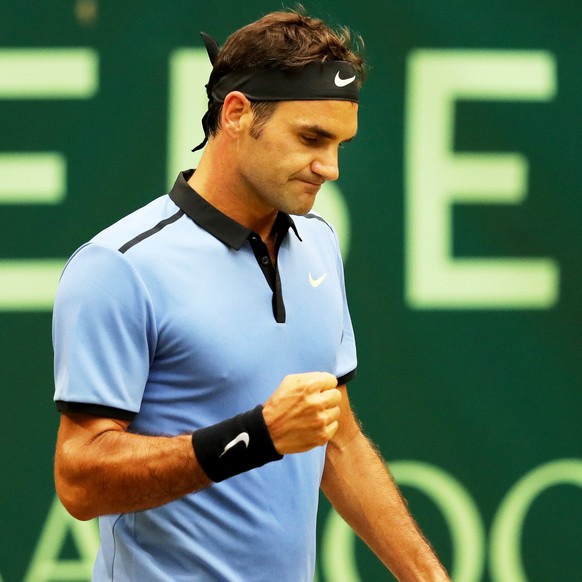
[[343, 82], [243, 437]]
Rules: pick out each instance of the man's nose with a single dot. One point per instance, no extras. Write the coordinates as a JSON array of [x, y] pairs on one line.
[[327, 167]]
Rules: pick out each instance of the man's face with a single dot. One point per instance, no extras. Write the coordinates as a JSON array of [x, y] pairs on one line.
[[295, 152]]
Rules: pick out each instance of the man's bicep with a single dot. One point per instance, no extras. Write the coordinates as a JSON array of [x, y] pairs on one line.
[[87, 427], [341, 449], [349, 427], [78, 432]]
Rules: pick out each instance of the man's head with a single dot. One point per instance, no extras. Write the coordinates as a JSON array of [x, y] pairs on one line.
[[279, 41], [283, 98]]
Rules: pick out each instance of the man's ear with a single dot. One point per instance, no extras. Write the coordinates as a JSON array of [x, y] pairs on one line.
[[236, 115]]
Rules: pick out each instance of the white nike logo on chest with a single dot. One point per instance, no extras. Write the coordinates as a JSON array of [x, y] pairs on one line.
[[317, 282]]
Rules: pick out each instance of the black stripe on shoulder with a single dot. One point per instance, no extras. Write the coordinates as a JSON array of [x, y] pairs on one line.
[[317, 217], [148, 233], [94, 410]]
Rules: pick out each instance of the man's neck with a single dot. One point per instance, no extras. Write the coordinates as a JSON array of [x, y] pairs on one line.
[[215, 180]]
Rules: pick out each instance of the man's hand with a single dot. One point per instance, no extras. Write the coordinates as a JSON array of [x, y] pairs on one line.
[[303, 412]]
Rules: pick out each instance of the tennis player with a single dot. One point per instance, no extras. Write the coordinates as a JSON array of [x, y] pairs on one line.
[[203, 343]]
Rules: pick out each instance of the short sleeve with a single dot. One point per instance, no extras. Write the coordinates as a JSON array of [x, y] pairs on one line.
[[104, 331]]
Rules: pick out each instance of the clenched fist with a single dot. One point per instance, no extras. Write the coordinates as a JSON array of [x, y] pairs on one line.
[[303, 412]]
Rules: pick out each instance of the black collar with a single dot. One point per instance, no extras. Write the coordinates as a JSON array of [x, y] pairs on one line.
[[216, 222]]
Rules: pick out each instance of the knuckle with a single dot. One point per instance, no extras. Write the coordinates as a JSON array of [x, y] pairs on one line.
[[335, 396], [292, 379], [321, 422]]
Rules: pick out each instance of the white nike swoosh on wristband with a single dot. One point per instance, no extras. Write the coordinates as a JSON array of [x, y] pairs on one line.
[[243, 437]]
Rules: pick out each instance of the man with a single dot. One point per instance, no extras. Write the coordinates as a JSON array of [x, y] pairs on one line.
[[203, 343]]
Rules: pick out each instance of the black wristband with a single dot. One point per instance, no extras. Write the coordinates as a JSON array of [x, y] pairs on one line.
[[234, 446]]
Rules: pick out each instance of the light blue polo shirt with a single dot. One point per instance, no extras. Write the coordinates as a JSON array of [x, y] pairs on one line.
[[175, 318]]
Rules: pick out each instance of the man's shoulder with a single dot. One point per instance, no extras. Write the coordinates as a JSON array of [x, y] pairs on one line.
[[314, 221], [315, 227], [136, 226]]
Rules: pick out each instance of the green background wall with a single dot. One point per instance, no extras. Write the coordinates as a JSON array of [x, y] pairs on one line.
[[471, 388]]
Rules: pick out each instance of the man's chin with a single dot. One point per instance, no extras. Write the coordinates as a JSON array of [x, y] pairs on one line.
[[302, 210]]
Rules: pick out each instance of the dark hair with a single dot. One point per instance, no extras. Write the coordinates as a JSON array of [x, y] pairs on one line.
[[284, 41]]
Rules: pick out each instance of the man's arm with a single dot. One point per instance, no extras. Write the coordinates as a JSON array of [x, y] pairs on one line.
[[361, 489], [101, 468]]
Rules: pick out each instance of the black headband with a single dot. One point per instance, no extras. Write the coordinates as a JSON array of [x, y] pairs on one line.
[[315, 81]]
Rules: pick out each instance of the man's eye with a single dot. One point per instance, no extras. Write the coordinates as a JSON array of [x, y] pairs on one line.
[[308, 139]]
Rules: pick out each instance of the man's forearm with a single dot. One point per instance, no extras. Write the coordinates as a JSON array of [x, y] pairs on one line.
[[363, 492]]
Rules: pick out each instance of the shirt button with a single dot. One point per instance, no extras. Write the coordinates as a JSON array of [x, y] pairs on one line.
[[265, 260]]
